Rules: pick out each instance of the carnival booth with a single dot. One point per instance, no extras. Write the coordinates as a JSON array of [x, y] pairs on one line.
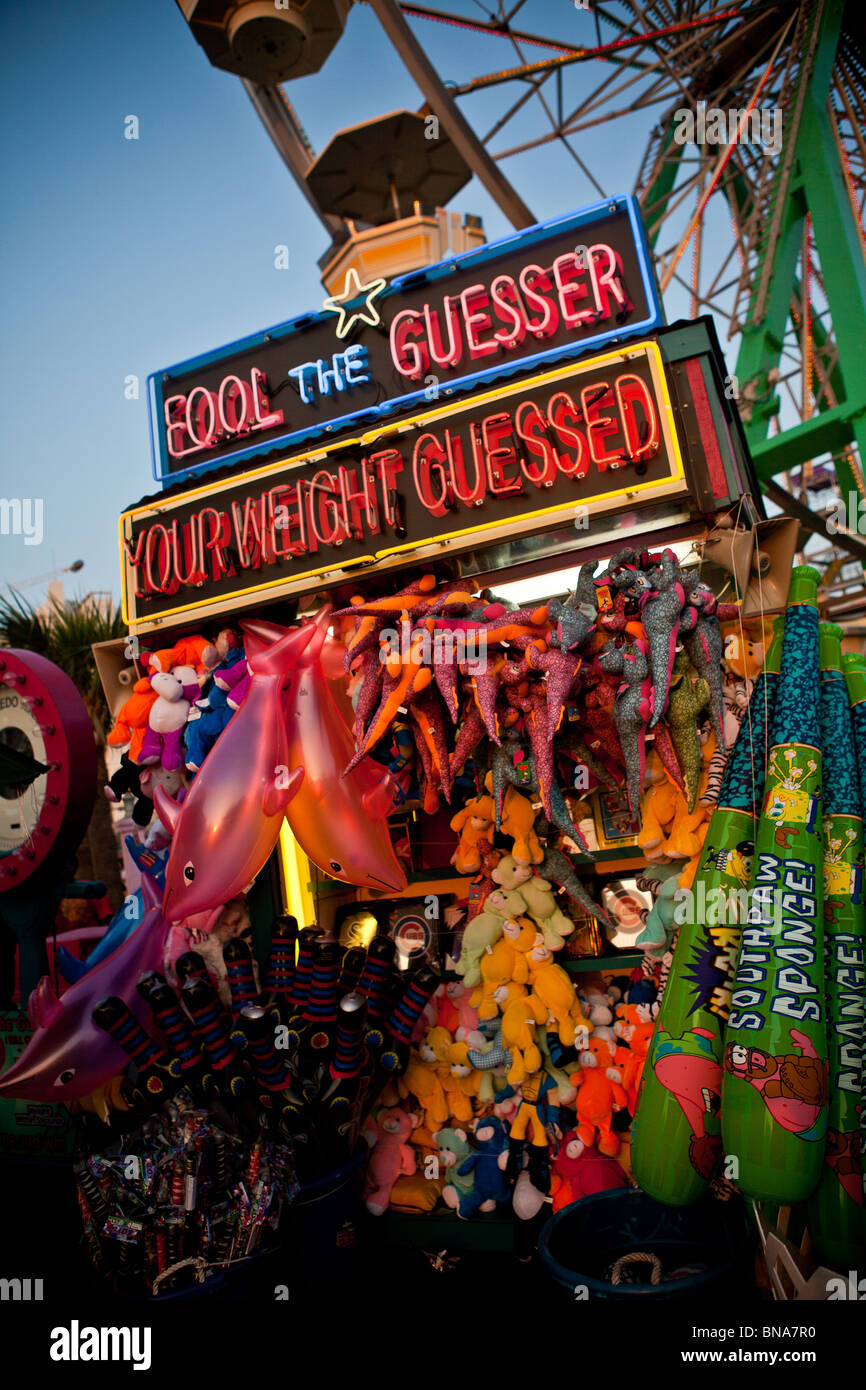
[[498, 801]]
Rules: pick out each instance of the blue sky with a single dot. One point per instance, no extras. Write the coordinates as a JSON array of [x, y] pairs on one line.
[[123, 256]]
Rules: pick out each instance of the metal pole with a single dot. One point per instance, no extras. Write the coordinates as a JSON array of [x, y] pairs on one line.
[[459, 130]]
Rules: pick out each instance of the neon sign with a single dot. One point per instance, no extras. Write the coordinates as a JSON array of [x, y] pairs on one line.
[[525, 302], [521, 454]]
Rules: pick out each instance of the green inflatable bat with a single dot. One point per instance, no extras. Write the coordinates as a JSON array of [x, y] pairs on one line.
[[774, 1092]]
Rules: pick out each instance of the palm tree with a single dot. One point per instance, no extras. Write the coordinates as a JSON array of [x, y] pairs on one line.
[[63, 631]]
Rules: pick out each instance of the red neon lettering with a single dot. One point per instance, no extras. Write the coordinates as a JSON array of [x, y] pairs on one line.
[[495, 428], [441, 356], [285, 505], [469, 496], [134, 558], [195, 417], [571, 290], [387, 463], [428, 455], [511, 312], [562, 404], [234, 411], [259, 384], [183, 545], [409, 357], [216, 543], [533, 433], [549, 322], [598, 426], [609, 281], [324, 510], [477, 319], [162, 584], [174, 406], [631, 391], [359, 500]]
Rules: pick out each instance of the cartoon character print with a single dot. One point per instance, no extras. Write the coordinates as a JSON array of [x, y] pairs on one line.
[[786, 798], [793, 1086], [733, 863], [843, 1156], [687, 1067]]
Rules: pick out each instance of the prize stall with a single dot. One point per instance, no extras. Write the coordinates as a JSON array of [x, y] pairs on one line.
[[475, 725]]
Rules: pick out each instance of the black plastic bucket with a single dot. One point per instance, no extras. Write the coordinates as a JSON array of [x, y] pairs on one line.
[[319, 1233], [706, 1247]]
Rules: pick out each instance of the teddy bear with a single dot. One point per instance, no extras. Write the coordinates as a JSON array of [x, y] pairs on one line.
[[473, 824], [434, 1052], [422, 1083], [486, 1165], [483, 882], [484, 930], [550, 984], [466, 1027], [130, 723], [130, 777], [579, 1170], [635, 1025], [599, 1093], [521, 1015], [391, 1155], [454, 1148], [517, 821], [504, 961], [539, 897], [163, 740], [465, 1081]]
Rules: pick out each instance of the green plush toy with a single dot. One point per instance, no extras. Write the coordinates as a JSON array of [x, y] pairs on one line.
[[454, 1147], [538, 895]]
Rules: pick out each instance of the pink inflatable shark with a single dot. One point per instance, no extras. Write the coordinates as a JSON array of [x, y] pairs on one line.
[[230, 821], [68, 1055], [338, 821]]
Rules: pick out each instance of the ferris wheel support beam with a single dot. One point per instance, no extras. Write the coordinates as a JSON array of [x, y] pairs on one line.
[[814, 187], [441, 103]]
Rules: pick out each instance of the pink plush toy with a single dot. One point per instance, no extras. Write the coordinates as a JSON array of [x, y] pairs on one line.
[[467, 1017], [579, 1170], [391, 1155], [235, 681], [163, 739]]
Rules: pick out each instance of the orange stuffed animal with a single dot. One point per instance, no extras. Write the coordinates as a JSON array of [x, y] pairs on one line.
[[599, 1094], [130, 724], [635, 1024], [473, 824]]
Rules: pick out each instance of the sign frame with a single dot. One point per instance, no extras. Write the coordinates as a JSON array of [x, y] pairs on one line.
[[477, 258], [535, 518]]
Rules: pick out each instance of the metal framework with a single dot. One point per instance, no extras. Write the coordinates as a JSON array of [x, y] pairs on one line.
[[787, 281]]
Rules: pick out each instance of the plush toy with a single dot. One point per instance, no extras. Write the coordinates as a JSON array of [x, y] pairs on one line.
[[484, 930], [473, 824], [454, 1148], [505, 961], [521, 1014], [206, 721], [127, 778], [235, 681], [538, 1109], [198, 653], [465, 1028], [391, 1155], [632, 708], [599, 1094], [635, 1024], [483, 882], [660, 615], [130, 724], [550, 984], [422, 1083], [579, 1170], [465, 1080], [486, 1165], [538, 895], [163, 740]]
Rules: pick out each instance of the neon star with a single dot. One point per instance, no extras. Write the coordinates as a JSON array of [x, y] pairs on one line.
[[347, 303]]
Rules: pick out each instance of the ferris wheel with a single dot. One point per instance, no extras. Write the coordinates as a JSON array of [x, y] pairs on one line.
[[746, 121]]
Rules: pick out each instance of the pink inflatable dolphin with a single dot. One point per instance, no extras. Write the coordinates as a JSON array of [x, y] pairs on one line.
[[230, 821], [68, 1056], [339, 822]]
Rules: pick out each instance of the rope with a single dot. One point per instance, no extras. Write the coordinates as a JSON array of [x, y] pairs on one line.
[[198, 1261], [637, 1257]]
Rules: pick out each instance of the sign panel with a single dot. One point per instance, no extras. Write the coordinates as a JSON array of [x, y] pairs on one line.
[[515, 458], [531, 299]]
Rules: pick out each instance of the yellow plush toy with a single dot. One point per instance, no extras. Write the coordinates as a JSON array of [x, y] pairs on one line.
[[473, 823], [539, 897], [421, 1082], [504, 961], [550, 984], [518, 821], [522, 1014]]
